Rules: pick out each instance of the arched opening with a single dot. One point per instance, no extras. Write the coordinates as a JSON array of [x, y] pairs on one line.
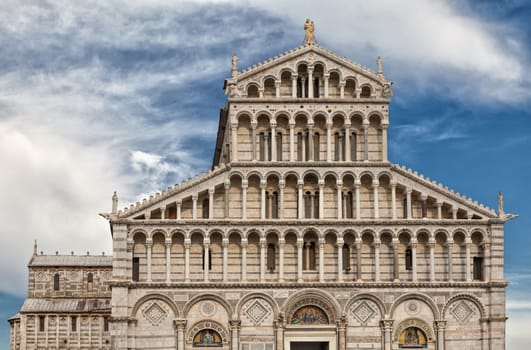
[[350, 88], [285, 84], [309, 254], [252, 91], [365, 91], [269, 88]]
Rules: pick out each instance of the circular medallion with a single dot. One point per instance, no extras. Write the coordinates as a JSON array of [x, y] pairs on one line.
[[412, 307], [208, 308]]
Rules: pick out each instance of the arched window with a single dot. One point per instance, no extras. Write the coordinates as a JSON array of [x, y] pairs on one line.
[[307, 205], [209, 259], [365, 91], [56, 282], [261, 143], [279, 146], [90, 277], [349, 212], [339, 143], [136, 269], [478, 268], [316, 88], [409, 259], [73, 324], [274, 206], [405, 208], [206, 208], [252, 91], [346, 257], [271, 261], [299, 87]]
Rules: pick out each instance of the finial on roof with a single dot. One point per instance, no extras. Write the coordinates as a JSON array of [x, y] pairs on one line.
[[500, 205], [114, 203], [35, 248], [309, 27], [379, 65], [234, 69]]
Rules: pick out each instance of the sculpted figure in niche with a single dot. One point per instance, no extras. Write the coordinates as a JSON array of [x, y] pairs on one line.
[[309, 27]]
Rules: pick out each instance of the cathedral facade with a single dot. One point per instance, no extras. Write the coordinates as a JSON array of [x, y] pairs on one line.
[[302, 236]]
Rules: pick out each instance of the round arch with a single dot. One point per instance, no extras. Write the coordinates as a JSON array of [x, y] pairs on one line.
[[419, 296], [155, 296], [206, 296]]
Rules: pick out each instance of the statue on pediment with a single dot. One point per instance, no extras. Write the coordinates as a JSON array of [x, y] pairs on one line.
[[309, 27]]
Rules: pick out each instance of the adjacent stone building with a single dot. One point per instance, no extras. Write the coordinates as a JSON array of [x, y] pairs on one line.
[[302, 236]]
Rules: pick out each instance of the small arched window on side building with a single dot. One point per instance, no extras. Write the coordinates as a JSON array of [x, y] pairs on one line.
[[365, 91], [409, 259], [271, 253], [90, 277], [206, 208], [56, 282], [346, 257]]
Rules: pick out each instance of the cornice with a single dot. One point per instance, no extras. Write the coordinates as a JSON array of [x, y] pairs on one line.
[[298, 285]]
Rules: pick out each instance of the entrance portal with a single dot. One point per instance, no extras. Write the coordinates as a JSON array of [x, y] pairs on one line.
[[308, 345]]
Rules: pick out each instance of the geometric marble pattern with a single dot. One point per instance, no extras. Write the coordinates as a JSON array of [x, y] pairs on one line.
[[256, 312], [462, 311], [363, 312], [155, 314]]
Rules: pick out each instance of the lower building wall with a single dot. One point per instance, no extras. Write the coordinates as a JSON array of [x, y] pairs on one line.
[[313, 319]]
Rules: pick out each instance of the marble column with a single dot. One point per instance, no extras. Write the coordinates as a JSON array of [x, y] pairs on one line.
[[281, 186], [181, 341], [468, 244], [294, 86], [234, 334], [234, 145], [211, 192], [178, 209], [339, 189], [273, 141], [310, 143], [281, 244], [244, 259], [321, 199], [387, 328], [321, 259], [187, 246], [408, 203], [253, 141], [450, 261], [440, 327], [424, 206], [168, 243], [328, 142], [377, 261], [245, 185], [226, 199], [163, 212], [358, 261], [414, 260], [206, 259], [357, 185], [393, 200], [263, 247], [326, 77], [340, 260], [341, 334], [279, 329], [431, 247], [149, 246], [487, 262], [375, 186], [347, 143], [384, 142], [194, 206], [342, 90], [225, 244], [291, 142], [300, 244], [454, 213], [396, 266], [300, 185], [277, 89], [439, 210], [263, 185]]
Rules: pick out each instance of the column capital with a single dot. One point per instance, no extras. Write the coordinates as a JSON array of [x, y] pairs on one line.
[[321, 243], [281, 184], [225, 242], [179, 202], [263, 243], [206, 242], [277, 83], [244, 243], [195, 196], [393, 184], [413, 244], [438, 203], [245, 183], [409, 190], [281, 241], [187, 243], [423, 197], [235, 324], [300, 183], [226, 184], [377, 245], [340, 242], [439, 324], [263, 184], [339, 183], [357, 183], [273, 123], [149, 242], [375, 183], [254, 123], [454, 210], [300, 243], [211, 191], [386, 324], [168, 241], [180, 324]]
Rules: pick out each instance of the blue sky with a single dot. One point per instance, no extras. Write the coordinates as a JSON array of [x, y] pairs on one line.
[[124, 95]]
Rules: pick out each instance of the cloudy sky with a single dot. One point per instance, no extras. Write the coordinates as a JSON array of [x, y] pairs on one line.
[[124, 95]]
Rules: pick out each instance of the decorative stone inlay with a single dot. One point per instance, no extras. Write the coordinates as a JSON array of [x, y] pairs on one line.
[[208, 308], [462, 311], [73, 275], [256, 312], [363, 312], [412, 307], [155, 314], [41, 276]]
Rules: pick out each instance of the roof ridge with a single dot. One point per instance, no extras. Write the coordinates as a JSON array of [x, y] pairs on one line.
[[438, 186]]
